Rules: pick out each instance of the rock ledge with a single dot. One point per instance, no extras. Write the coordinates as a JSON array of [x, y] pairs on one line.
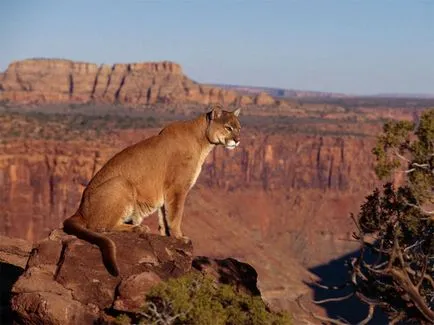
[[65, 282]]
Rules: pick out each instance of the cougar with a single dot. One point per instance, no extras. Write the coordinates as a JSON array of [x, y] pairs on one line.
[[155, 174]]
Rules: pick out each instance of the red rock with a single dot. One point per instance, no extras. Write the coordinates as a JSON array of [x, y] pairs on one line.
[[14, 251], [130, 292], [65, 281], [64, 81], [51, 309], [81, 291]]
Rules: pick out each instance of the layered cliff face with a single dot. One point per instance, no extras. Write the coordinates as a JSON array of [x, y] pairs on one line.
[[64, 81], [291, 191]]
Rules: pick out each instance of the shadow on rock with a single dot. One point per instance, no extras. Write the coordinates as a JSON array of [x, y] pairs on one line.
[[14, 253], [9, 274], [230, 271]]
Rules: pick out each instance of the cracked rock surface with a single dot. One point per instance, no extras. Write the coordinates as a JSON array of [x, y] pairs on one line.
[[65, 281]]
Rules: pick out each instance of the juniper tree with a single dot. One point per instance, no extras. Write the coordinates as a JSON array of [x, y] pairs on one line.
[[395, 268]]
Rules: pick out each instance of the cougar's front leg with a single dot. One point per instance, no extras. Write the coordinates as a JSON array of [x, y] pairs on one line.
[[174, 209], [163, 227]]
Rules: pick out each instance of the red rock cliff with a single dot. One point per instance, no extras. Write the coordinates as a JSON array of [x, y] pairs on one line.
[[271, 183], [64, 81]]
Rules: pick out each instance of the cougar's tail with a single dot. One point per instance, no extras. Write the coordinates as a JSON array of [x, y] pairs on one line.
[[75, 226]]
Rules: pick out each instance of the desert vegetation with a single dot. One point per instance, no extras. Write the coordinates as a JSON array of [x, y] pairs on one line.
[[395, 268], [58, 126], [196, 299]]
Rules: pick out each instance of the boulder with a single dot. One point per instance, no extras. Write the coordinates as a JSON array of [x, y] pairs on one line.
[[65, 281]]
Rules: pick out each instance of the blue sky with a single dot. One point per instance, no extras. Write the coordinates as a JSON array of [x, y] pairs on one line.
[[360, 47]]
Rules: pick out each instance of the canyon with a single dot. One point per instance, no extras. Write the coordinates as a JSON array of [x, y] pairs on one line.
[[280, 202], [323, 177]]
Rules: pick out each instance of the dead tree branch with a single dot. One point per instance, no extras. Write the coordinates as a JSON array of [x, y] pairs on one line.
[[334, 299], [318, 317]]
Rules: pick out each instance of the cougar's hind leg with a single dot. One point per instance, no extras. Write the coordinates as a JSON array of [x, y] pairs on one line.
[[107, 206]]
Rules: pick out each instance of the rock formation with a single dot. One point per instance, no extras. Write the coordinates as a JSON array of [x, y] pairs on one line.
[[63, 81], [65, 282]]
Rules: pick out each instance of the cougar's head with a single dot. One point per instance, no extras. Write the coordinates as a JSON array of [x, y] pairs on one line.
[[223, 127]]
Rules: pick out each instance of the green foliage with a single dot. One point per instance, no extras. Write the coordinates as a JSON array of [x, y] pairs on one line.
[[395, 134], [380, 208], [425, 131], [196, 299], [402, 146], [123, 320], [395, 269]]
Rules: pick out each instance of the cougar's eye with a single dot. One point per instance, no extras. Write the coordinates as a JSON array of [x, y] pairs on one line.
[[229, 128]]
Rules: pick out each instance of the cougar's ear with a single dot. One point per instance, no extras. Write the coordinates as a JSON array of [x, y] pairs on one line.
[[237, 111], [216, 112]]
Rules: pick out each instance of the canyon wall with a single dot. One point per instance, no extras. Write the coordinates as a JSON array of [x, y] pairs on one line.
[[64, 81], [277, 187]]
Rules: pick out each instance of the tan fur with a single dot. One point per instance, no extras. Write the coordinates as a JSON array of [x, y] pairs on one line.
[[155, 174]]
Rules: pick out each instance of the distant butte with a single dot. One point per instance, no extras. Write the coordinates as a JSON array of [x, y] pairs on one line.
[[37, 81]]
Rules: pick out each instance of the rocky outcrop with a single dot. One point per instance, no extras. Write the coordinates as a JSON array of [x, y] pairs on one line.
[[65, 281], [64, 81]]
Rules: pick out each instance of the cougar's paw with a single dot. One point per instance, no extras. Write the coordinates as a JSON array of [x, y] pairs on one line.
[[178, 235], [185, 239], [141, 229]]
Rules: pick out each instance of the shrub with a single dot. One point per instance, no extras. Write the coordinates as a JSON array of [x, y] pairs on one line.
[[195, 299]]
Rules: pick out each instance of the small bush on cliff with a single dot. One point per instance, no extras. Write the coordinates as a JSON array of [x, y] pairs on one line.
[[195, 299], [395, 269]]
